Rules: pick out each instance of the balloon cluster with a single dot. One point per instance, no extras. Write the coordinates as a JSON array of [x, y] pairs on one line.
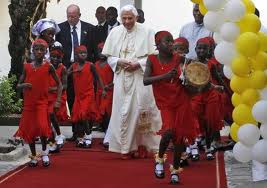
[[241, 48]]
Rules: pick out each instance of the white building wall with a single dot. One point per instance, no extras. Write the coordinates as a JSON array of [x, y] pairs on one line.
[[5, 23]]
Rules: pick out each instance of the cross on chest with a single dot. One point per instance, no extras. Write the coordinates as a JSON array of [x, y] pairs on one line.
[[125, 52]]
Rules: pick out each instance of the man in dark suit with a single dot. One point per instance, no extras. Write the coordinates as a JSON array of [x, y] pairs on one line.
[[111, 16], [101, 29], [75, 32]]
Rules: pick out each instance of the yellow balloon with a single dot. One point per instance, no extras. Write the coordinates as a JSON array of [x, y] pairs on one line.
[[242, 114], [197, 1], [203, 10], [236, 99], [233, 131], [249, 23], [263, 41], [258, 80], [250, 7], [240, 66], [248, 44], [260, 61], [239, 84], [250, 96]]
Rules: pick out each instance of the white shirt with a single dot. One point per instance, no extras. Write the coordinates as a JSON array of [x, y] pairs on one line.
[[78, 30], [192, 32], [111, 27]]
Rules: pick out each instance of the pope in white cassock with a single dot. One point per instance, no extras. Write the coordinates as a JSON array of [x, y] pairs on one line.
[[135, 118]]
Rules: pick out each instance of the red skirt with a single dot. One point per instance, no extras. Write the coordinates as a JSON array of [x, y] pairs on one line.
[[181, 121], [104, 103], [208, 109], [62, 113], [34, 123], [85, 109]]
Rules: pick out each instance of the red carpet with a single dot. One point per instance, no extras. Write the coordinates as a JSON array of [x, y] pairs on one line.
[[96, 168]]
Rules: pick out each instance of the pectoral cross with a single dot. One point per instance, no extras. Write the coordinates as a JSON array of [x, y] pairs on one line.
[[125, 52]]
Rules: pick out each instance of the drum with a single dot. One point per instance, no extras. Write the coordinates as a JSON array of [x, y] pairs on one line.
[[197, 76]]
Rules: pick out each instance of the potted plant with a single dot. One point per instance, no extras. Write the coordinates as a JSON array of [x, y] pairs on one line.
[[10, 104]]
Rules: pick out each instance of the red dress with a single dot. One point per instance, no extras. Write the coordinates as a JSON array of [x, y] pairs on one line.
[[84, 107], [106, 74], [172, 101], [61, 114], [207, 107], [34, 121], [227, 106]]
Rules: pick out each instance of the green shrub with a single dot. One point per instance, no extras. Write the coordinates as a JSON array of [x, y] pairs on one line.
[[9, 103]]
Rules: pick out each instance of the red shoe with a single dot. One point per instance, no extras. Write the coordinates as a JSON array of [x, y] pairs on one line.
[[142, 152]]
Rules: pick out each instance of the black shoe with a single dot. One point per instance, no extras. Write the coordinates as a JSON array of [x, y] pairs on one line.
[[229, 146], [209, 156], [160, 174], [72, 139], [80, 144], [45, 162], [106, 145], [174, 179], [33, 163], [184, 162], [195, 157]]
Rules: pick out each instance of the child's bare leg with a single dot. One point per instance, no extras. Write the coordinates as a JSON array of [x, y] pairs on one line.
[[159, 159], [175, 168], [88, 134], [34, 158], [45, 152], [164, 142], [54, 122]]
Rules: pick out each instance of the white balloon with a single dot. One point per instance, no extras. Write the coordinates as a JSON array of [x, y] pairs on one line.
[[242, 153], [229, 31], [213, 20], [227, 71], [263, 94], [259, 151], [259, 111], [263, 131], [248, 134], [217, 37], [225, 52], [214, 4], [234, 10]]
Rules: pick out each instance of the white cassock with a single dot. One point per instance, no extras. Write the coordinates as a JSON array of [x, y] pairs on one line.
[[135, 118]]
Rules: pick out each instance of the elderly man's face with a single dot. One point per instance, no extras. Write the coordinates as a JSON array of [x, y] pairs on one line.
[[73, 15], [128, 19]]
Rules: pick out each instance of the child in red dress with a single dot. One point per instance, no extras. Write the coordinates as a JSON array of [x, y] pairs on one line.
[[56, 55], [35, 118], [162, 71], [206, 105], [104, 103], [218, 78], [181, 46], [84, 111]]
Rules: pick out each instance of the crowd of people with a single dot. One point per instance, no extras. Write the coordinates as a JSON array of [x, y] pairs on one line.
[[127, 80]]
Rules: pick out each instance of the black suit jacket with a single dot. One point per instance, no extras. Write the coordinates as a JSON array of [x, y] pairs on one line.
[[101, 33], [87, 39]]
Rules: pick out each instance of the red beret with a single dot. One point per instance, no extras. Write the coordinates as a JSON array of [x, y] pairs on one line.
[[159, 35]]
